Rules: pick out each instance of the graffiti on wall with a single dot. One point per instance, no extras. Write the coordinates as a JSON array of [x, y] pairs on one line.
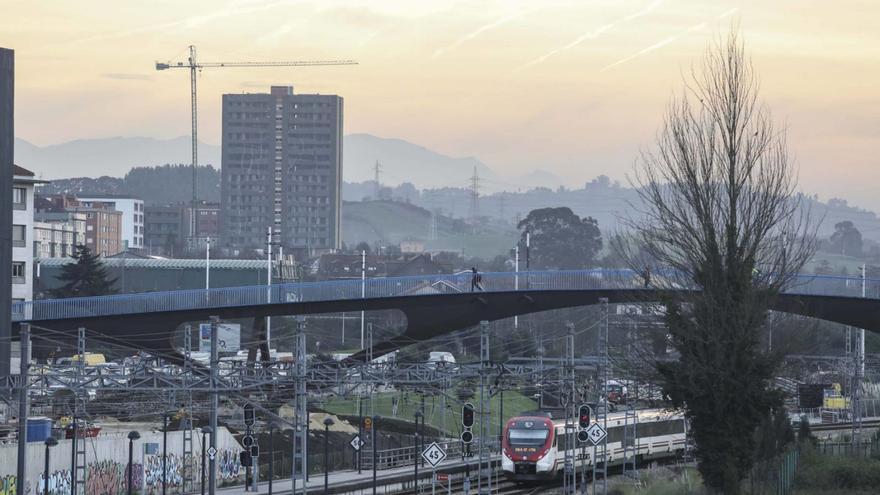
[[109, 477], [228, 469], [228, 464], [105, 478], [7, 485], [59, 483]]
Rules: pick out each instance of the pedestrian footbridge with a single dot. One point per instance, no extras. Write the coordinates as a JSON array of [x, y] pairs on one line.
[[431, 304]]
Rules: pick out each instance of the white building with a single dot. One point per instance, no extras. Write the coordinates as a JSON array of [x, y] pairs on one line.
[[56, 234], [22, 234], [132, 210]]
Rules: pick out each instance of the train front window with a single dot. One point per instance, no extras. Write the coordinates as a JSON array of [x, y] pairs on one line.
[[533, 437]]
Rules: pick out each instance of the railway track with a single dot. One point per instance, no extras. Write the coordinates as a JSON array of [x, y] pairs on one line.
[[844, 426], [501, 487]]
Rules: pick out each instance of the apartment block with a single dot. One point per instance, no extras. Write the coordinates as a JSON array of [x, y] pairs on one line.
[[282, 169], [132, 209]]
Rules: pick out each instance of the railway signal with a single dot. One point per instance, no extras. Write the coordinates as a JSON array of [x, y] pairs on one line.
[[249, 417], [584, 414], [467, 415], [467, 437]]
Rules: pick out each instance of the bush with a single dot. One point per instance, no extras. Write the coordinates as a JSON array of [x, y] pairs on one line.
[[829, 473]]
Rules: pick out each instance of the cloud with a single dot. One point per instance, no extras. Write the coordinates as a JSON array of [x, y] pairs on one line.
[[666, 41], [271, 38], [480, 30], [127, 77], [592, 34], [233, 8]]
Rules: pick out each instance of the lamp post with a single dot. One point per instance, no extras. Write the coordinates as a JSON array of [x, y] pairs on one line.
[[206, 430], [50, 442], [416, 453], [328, 421], [165, 416], [132, 436]]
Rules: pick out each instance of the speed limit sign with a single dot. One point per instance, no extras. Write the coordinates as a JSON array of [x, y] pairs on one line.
[[433, 454]]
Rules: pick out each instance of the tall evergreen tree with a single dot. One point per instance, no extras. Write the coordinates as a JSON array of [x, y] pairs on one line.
[[87, 276]]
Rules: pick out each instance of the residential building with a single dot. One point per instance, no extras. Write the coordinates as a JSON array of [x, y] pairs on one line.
[[103, 223], [22, 234], [138, 273], [7, 137], [167, 228], [282, 168], [164, 230], [57, 234], [207, 224], [103, 230], [132, 210], [337, 266]]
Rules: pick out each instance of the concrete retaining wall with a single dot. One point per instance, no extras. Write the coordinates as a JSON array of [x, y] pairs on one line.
[[106, 461]]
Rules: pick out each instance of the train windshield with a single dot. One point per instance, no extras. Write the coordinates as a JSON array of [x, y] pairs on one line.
[[532, 437]]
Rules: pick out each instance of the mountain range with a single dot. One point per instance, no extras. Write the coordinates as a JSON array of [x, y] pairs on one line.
[[400, 161]]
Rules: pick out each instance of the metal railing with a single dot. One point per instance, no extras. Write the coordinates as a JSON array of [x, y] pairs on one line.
[[406, 456], [596, 279]]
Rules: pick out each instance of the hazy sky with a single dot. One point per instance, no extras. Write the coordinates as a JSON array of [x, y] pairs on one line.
[[573, 87]]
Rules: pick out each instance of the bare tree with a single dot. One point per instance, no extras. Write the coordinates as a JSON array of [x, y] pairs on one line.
[[720, 214]]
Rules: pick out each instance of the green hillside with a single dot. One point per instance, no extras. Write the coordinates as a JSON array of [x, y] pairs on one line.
[[514, 404], [390, 222]]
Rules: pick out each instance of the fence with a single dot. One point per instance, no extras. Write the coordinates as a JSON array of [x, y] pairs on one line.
[[787, 470], [865, 448]]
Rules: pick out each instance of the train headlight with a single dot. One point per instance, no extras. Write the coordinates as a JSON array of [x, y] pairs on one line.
[[545, 463]]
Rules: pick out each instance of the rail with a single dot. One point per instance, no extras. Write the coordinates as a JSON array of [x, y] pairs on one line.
[[229, 297]]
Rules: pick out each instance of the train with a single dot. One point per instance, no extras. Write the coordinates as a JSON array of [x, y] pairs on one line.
[[533, 445]]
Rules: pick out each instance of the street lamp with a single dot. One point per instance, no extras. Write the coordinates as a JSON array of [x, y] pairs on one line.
[[328, 421], [50, 442], [132, 436], [206, 430]]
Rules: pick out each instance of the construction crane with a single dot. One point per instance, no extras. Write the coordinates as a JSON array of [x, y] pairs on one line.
[[194, 66]]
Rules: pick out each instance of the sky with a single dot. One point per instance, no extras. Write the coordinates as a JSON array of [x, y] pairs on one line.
[[576, 88]]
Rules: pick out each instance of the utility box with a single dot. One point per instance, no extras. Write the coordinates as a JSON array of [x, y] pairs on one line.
[[39, 429]]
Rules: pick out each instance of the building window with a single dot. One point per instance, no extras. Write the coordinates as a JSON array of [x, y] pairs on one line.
[[18, 272], [18, 236], [19, 198]]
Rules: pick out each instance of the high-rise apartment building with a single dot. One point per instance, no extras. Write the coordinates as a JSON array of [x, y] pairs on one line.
[[282, 168], [7, 136]]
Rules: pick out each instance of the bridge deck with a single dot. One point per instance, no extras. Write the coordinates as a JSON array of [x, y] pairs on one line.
[[374, 288]]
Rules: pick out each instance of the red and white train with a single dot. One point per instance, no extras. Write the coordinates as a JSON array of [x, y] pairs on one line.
[[533, 446]]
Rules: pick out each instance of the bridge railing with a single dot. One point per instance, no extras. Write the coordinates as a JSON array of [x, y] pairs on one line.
[[152, 302]]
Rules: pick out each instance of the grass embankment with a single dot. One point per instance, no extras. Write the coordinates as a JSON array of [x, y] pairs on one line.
[[514, 404], [832, 475], [659, 481]]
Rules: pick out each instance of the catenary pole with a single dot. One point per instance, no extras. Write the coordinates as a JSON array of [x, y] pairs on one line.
[[215, 364], [363, 289], [21, 472]]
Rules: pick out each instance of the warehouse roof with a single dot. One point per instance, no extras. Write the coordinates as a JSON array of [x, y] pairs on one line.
[[166, 263]]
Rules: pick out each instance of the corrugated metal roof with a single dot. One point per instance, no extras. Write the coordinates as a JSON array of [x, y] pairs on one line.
[[166, 264]]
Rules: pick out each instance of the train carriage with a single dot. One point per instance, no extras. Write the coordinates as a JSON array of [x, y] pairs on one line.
[[533, 446]]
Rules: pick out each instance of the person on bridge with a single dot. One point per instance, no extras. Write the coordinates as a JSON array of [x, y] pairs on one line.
[[476, 279]]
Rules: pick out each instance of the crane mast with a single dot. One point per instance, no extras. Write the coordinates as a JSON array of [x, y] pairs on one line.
[[193, 65]]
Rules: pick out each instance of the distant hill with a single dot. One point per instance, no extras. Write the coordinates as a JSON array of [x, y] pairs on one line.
[[108, 156], [155, 185], [401, 161], [390, 222]]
